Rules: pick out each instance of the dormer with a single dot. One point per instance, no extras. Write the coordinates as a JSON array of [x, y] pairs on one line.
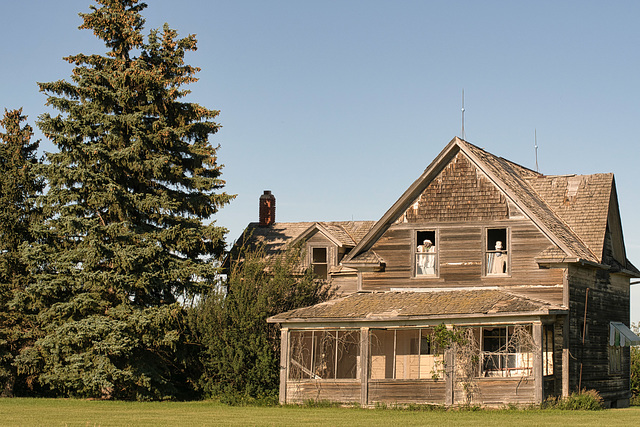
[[325, 246]]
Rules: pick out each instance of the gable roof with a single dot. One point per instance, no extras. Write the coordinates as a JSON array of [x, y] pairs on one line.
[[387, 306], [576, 229], [280, 235]]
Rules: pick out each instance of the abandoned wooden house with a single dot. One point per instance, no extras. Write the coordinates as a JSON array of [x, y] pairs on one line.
[[525, 274]]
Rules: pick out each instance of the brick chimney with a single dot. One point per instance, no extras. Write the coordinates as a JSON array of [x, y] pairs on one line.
[[267, 208]]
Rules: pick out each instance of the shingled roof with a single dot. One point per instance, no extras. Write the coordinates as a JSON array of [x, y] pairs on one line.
[[581, 201], [516, 181], [278, 236], [570, 210], [416, 305]]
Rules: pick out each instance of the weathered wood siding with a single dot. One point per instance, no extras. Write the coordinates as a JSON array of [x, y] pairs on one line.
[[407, 391], [488, 391], [459, 204], [343, 283], [460, 258], [596, 298], [346, 391], [319, 240], [500, 391]]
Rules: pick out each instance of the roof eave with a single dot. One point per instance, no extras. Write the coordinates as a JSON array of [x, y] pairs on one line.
[[363, 266], [437, 317], [556, 262], [593, 264]]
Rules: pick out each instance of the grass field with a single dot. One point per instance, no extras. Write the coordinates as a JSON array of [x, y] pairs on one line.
[[68, 412]]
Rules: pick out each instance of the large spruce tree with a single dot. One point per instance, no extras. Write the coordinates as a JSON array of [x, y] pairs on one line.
[[130, 187], [20, 183]]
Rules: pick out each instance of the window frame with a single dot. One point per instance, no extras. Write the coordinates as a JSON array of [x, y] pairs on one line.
[[486, 251], [331, 367], [615, 353], [327, 262], [414, 253], [503, 363]]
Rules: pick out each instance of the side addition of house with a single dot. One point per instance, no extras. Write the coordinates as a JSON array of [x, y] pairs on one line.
[[529, 269]]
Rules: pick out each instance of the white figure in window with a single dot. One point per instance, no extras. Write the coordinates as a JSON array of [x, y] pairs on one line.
[[426, 258], [497, 261]]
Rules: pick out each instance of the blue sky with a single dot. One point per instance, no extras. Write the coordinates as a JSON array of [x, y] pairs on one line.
[[338, 106]]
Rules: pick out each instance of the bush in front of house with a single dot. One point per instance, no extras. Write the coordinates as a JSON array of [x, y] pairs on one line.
[[584, 400]]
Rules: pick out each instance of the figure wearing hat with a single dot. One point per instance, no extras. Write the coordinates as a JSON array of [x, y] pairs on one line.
[[426, 258]]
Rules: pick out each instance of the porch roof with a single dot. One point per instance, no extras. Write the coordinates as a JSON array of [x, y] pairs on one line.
[[416, 304]]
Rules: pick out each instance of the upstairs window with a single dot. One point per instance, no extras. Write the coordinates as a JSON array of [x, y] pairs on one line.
[[496, 252], [426, 254], [319, 263]]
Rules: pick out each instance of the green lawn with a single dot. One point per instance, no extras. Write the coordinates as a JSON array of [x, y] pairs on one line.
[[68, 412]]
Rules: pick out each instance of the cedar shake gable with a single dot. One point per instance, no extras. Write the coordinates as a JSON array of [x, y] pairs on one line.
[[504, 185]]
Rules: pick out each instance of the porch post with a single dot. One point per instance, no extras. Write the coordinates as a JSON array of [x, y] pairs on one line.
[[449, 373], [566, 355], [565, 358], [538, 379], [284, 364], [364, 366]]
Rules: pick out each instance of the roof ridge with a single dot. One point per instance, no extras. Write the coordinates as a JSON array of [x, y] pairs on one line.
[[501, 158], [348, 234]]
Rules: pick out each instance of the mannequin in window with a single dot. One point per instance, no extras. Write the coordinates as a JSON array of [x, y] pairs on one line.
[[426, 258], [497, 261]]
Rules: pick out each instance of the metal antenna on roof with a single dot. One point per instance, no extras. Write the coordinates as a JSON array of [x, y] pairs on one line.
[[535, 138], [462, 134]]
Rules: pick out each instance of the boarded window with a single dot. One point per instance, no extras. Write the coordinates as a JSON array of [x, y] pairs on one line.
[[615, 359], [382, 343], [407, 353], [404, 354], [431, 357]]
